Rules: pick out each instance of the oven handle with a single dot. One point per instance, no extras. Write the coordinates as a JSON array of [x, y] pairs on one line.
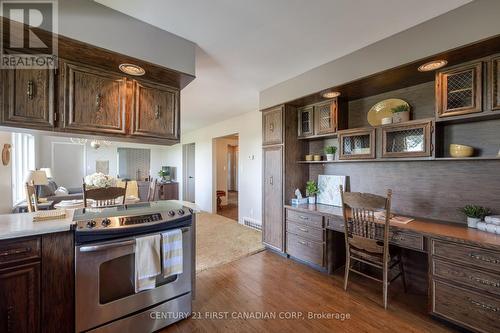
[[95, 248]]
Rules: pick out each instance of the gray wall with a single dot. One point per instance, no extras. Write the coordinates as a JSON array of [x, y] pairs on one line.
[[467, 24], [99, 25]]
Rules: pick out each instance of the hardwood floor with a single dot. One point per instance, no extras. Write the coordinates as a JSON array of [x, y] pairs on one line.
[[231, 209], [270, 284]]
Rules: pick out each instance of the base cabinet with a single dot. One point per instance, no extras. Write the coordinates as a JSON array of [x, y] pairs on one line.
[[20, 298]]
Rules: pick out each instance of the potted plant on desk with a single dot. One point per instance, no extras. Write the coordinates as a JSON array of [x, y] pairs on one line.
[[311, 191], [474, 214], [330, 152]]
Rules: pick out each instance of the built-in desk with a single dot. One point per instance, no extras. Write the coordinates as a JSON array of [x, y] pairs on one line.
[[460, 265]]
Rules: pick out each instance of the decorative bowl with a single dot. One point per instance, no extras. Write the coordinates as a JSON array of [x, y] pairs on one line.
[[461, 150]]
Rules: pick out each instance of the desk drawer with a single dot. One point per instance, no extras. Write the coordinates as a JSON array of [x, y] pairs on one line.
[[312, 220], [303, 249], [336, 223], [470, 277], [16, 250], [477, 311], [407, 239], [467, 254], [311, 233]]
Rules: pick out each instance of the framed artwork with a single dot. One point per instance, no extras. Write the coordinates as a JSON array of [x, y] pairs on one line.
[[102, 167], [329, 192]]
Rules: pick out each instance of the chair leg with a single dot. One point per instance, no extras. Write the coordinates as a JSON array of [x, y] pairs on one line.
[[402, 270], [347, 268], [385, 282]]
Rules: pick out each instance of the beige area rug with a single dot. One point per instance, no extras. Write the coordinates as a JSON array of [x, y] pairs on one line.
[[220, 240]]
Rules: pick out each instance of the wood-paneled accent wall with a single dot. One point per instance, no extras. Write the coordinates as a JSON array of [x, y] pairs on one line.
[[427, 189]]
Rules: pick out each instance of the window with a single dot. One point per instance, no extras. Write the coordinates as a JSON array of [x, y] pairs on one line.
[[23, 160]]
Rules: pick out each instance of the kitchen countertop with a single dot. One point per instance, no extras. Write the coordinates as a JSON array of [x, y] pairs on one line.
[[22, 225]]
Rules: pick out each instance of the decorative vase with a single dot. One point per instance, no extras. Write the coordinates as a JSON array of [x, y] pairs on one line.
[[330, 157], [400, 117], [472, 222], [311, 200]]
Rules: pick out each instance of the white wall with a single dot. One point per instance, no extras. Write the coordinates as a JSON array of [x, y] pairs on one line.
[[5, 178], [93, 23], [467, 24], [249, 128]]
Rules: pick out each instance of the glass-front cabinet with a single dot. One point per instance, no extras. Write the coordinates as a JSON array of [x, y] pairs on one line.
[[306, 121], [407, 140], [318, 119], [357, 144]]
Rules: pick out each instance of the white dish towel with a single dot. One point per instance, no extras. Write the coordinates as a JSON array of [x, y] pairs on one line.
[[147, 262], [172, 252]]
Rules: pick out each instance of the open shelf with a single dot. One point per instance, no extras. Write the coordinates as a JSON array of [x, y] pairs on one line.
[[320, 136], [416, 159]]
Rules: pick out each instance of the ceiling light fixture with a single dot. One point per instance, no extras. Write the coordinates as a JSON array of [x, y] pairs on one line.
[[330, 94], [132, 69], [432, 65]]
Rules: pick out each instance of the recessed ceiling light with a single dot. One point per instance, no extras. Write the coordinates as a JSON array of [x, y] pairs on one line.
[[330, 94], [132, 69], [432, 65]]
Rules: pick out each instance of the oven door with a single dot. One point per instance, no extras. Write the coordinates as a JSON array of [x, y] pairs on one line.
[[105, 281]]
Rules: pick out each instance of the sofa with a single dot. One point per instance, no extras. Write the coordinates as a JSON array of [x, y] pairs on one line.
[[48, 192]]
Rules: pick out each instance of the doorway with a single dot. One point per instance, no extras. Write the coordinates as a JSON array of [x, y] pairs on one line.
[[188, 157], [226, 194]]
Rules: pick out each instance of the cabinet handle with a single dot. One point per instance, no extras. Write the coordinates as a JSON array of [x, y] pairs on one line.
[[483, 305], [271, 180], [397, 237], [485, 282], [10, 314], [30, 89], [157, 112], [302, 243], [303, 229], [14, 252], [303, 217], [271, 127], [483, 258], [98, 101]]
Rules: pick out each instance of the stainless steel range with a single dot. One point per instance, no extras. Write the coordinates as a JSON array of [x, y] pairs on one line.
[[105, 295]]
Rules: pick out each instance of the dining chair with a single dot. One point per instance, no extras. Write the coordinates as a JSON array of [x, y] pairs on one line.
[[106, 196], [152, 190], [31, 197], [367, 238]]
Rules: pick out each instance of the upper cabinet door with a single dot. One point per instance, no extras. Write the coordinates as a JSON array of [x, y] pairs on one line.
[[306, 121], [459, 90], [28, 98], [495, 83], [325, 115], [272, 122], [156, 111], [94, 100]]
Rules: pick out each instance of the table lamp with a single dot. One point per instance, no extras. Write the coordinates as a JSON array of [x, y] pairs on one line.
[[48, 172], [37, 178]]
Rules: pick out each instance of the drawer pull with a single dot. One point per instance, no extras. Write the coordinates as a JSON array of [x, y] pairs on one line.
[[14, 252], [303, 229], [157, 112], [302, 242], [304, 217], [29, 91], [398, 238], [98, 102], [485, 282], [483, 258], [483, 306]]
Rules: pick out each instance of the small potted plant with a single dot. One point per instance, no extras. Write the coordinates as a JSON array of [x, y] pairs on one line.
[[163, 174], [330, 152], [400, 113], [311, 191], [474, 214]]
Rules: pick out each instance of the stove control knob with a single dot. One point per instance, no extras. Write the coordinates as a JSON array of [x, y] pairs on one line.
[[171, 213], [106, 222], [91, 224], [191, 210], [180, 212]]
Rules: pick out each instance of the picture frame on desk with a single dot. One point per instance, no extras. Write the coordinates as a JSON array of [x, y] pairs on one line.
[[329, 193]]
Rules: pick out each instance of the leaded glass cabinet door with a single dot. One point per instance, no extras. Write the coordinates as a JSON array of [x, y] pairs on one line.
[[409, 140], [325, 115], [459, 91], [495, 83], [357, 144], [306, 121]]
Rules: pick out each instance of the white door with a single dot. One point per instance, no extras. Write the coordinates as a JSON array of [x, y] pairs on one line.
[[189, 180], [68, 161]]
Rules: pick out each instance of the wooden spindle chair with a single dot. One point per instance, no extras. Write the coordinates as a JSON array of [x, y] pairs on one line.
[[106, 196], [31, 197], [152, 190], [367, 239]]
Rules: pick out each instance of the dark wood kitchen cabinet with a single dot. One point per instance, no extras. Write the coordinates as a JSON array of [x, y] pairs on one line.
[[495, 84], [28, 98], [272, 123], [155, 111], [94, 99], [325, 117], [273, 230]]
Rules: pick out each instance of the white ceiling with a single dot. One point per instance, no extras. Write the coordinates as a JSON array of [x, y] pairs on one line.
[[245, 46]]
